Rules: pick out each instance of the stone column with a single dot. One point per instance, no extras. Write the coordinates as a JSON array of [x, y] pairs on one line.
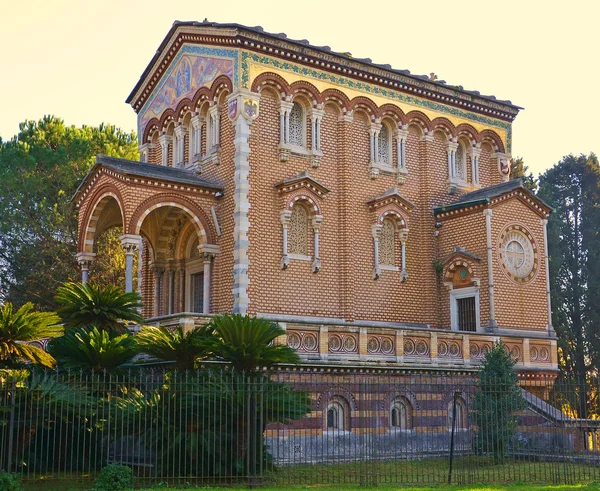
[[492, 324], [214, 136], [452, 147], [196, 138], [316, 223], [85, 259], [246, 111], [165, 140], [179, 153], [171, 302], [550, 327], [376, 232], [403, 236], [316, 119], [475, 155], [207, 253], [182, 293], [285, 108], [285, 216], [144, 149], [401, 137], [158, 269], [374, 134], [130, 244]]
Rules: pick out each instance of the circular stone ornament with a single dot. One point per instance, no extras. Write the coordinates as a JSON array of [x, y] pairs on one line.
[[518, 254]]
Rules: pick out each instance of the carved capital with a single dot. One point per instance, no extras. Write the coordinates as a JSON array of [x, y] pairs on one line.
[[403, 235], [285, 216], [131, 243], [180, 131], [316, 222], [165, 139], [85, 260], [208, 252], [376, 230], [197, 121]]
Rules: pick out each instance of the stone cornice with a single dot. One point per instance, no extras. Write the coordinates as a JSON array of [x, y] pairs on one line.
[[232, 35]]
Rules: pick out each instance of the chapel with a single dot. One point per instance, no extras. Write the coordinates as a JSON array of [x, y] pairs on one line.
[[367, 210]]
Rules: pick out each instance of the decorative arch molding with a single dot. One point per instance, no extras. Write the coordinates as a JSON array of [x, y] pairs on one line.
[[202, 95], [194, 212], [394, 112], [449, 395], [445, 125], [306, 196], [420, 119], [95, 210], [166, 118], [491, 136], [467, 131], [336, 392], [272, 80], [184, 106], [221, 83], [152, 126], [366, 105], [392, 210], [337, 96], [307, 89], [400, 392]]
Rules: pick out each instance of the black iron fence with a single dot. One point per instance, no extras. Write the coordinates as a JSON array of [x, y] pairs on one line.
[[297, 426]]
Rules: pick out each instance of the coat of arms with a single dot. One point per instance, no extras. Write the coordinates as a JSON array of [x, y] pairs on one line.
[[232, 109], [505, 167], [250, 109]]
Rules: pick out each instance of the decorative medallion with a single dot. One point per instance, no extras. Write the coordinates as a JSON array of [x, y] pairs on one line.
[[293, 340], [309, 342], [380, 345], [349, 343], [518, 254], [544, 354], [373, 345], [474, 351], [533, 353], [335, 343], [409, 347], [421, 348], [442, 348], [454, 350], [387, 346], [342, 343]]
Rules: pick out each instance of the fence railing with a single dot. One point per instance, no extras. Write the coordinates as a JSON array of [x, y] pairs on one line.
[[297, 426]]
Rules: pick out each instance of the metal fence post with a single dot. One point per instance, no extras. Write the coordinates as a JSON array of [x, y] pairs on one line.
[[452, 437], [11, 426]]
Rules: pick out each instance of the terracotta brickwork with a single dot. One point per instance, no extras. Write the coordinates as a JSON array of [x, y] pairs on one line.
[[347, 192]]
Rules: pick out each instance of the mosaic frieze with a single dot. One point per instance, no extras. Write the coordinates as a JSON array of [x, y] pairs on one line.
[[248, 57]]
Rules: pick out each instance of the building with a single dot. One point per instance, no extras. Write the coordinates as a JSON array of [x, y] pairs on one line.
[[366, 209]]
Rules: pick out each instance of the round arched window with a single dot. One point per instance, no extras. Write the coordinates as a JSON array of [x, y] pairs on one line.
[[518, 253]]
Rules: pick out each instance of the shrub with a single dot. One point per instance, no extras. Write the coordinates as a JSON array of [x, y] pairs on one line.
[[10, 482], [115, 477]]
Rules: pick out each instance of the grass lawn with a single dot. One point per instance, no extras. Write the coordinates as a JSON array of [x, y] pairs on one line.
[[470, 474]]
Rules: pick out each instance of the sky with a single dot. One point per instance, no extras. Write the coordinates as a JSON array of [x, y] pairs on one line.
[[79, 59]]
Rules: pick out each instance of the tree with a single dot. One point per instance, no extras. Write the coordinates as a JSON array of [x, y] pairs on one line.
[[40, 170], [182, 348], [572, 188], [496, 402], [518, 170], [20, 327], [93, 349], [91, 305], [247, 343]]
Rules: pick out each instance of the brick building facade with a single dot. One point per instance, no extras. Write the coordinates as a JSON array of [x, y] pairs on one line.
[[367, 210]]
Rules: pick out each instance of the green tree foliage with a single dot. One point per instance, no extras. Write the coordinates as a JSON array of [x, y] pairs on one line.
[[572, 188], [107, 308], [182, 348], [247, 343], [93, 349], [40, 170], [495, 404], [518, 170], [21, 326]]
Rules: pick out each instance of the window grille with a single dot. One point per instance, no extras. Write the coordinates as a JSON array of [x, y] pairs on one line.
[[298, 235], [467, 316], [385, 156], [387, 249], [297, 125], [461, 163]]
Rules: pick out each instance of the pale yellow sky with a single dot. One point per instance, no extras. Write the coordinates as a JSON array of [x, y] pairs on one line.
[[80, 59]]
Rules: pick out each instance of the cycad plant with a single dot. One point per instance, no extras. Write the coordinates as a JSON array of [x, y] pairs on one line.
[[106, 308], [247, 343], [20, 327], [93, 349], [177, 346]]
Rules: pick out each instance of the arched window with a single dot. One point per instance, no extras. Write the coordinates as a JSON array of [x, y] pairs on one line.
[[461, 163], [297, 125], [385, 145], [387, 244], [400, 414], [459, 412], [335, 418], [298, 236]]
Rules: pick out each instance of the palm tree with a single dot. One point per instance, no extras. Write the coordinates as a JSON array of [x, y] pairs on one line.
[[247, 343], [183, 348], [93, 349], [20, 327], [106, 308]]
